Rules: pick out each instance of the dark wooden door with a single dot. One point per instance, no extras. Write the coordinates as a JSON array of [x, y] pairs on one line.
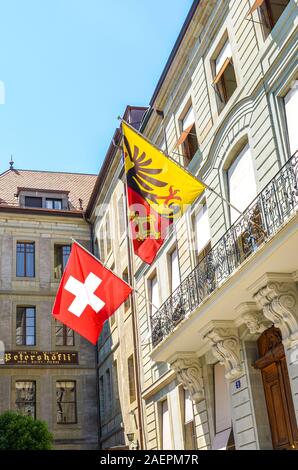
[[281, 413]]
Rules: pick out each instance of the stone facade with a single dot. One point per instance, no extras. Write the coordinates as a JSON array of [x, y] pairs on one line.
[[47, 231], [224, 328]]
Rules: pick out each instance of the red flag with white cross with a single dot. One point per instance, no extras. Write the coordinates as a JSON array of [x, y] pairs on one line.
[[88, 294]]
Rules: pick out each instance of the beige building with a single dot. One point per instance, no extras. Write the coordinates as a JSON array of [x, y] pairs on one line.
[[118, 358], [49, 371], [219, 356]]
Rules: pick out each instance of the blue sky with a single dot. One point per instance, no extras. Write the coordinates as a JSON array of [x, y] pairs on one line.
[[70, 67]]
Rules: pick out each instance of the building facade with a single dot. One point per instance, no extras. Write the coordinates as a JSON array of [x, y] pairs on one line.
[[118, 354], [218, 346], [48, 371]]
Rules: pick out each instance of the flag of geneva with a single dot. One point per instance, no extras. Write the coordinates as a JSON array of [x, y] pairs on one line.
[[88, 294]]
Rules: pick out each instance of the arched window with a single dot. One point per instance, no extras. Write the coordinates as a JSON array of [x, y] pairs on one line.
[[241, 182]]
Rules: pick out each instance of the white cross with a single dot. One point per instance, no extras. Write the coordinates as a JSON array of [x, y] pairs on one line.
[[84, 293]]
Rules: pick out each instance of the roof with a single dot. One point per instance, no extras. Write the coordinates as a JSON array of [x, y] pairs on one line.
[[133, 115], [78, 185]]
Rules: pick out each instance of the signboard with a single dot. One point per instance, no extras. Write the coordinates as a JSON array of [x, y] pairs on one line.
[[43, 358]]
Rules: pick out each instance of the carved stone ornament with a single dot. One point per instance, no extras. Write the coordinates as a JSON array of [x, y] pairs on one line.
[[226, 348], [279, 301], [253, 318], [189, 374]]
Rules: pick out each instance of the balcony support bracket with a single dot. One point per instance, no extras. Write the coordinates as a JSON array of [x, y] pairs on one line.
[[189, 374]]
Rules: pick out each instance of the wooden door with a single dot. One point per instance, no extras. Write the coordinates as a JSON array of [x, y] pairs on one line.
[[281, 413]]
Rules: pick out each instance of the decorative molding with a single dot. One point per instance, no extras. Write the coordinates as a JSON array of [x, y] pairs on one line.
[[279, 301], [189, 374], [226, 348], [253, 318]]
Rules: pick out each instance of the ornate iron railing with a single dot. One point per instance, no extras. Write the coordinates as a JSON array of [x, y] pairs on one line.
[[260, 221]]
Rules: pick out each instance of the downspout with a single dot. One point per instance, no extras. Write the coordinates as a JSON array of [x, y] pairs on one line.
[[134, 332], [96, 351]]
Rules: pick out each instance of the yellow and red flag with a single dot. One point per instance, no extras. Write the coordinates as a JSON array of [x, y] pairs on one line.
[[159, 191]]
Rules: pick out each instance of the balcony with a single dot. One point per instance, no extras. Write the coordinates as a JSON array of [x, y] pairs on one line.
[[265, 216]]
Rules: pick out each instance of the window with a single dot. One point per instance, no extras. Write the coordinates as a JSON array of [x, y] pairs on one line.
[[66, 402], [223, 421], [26, 326], [241, 182], [154, 294], [64, 335], [102, 401], [131, 379], [202, 232], [166, 443], [115, 387], [61, 255], [125, 278], [26, 398], [102, 244], [269, 13], [53, 203], [108, 234], [31, 201], [112, 318], [25, 259], [188, 138], [189, 424], [291, 106], [175, 270], [109, 392], [224, 74], [121, 216]]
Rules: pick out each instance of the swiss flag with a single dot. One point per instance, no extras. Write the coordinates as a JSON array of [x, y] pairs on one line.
[[88, 294]]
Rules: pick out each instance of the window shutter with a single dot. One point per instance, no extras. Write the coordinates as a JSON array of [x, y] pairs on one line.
[[291, 106], [242, 183], [188, 408], [175, 274], [202, 228], [166, 428]]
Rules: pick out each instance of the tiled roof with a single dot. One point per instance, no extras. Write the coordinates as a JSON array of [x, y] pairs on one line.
[[80, 186]]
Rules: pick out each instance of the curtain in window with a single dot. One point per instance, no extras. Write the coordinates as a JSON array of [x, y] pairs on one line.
[[166, 427], [291, 107], [202, 229], [242, 183]]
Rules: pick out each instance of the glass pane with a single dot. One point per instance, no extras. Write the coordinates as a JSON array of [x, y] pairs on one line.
[[30, 264], [30, 312], [58, 204], [31, 201], [30, 340], [66, 413], [30, 330], [66, 402], [65, 255], [20, 264], [49, 204], [20, 326], [70, 337], [25, 398]]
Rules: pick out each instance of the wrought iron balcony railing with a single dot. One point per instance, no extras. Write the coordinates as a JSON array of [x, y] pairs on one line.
[[261, 220]]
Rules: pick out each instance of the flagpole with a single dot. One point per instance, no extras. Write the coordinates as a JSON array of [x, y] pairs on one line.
[[129, 285], [194, 177]]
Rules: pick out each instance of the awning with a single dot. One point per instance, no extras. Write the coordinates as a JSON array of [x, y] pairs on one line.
[[183, 136], [256, 5]]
